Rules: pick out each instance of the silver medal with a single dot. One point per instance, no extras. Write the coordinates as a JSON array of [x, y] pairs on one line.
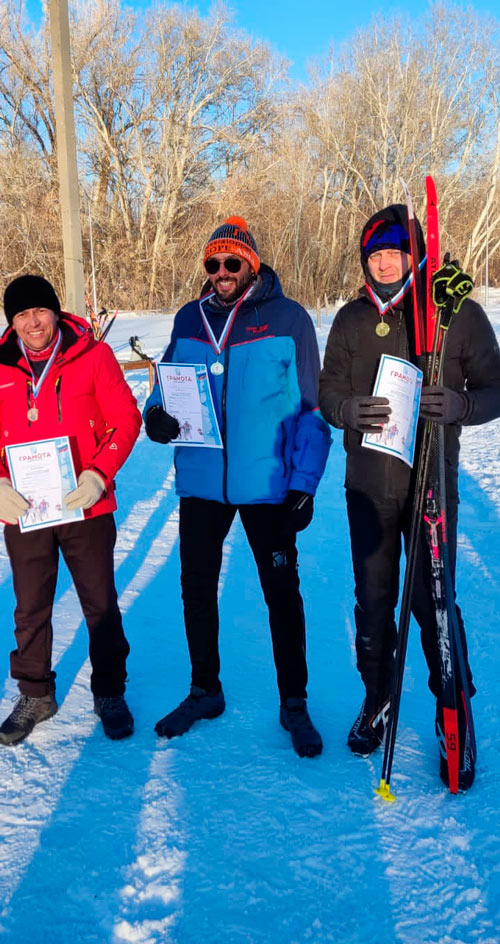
[[217, 368]]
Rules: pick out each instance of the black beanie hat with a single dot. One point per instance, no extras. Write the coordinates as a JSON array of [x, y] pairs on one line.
[[29, 291]]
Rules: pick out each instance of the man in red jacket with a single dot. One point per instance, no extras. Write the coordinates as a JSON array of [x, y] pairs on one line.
[[56, 380]]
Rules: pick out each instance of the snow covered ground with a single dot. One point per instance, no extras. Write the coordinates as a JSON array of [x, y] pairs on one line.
[[225, 835]]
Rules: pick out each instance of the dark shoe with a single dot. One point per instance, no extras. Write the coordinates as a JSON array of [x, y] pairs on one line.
[[466, 762], [367, 732], [114, 713], [26, 714], [198, 705], [294, 717]]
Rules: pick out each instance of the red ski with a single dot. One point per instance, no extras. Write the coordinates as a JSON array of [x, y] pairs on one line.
[[429, 510]]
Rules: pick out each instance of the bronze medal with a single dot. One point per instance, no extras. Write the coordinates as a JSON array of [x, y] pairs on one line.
[[32, 414], [382, 329]]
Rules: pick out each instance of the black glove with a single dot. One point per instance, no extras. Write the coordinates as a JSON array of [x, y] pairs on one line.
[[451, 281], [160, 426], [443, 405], [298, 508], [365, 414]]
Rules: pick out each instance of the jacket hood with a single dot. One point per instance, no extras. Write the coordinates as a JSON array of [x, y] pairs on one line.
[[388, 229]]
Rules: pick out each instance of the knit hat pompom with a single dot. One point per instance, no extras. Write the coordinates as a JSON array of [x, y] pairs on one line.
[[29, 291], [234, 237], [237, 221]]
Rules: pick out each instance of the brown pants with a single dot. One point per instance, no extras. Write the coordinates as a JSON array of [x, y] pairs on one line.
[[87, 548]]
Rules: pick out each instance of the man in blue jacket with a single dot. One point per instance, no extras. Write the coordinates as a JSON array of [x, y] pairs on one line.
[[263, 363]]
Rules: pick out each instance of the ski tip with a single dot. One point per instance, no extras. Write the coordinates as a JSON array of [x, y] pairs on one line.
[[384, 791]]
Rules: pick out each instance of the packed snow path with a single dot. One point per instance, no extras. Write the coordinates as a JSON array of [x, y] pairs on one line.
[[225, 836]]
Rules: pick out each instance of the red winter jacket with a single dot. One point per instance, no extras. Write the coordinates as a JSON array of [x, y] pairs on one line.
[[84, 396]]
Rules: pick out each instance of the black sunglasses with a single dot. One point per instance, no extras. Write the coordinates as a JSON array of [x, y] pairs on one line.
[[231, 265]]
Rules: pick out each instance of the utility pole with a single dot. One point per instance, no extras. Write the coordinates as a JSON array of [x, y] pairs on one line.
[[66, 158]]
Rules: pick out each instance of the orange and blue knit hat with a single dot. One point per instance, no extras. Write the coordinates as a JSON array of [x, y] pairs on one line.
[[234, 237]]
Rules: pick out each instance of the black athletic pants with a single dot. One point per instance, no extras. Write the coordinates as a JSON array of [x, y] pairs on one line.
[[203, 528], [87, 547], [376, 528]]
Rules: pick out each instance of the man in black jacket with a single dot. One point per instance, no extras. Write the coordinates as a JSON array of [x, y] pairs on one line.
[[378, 485]]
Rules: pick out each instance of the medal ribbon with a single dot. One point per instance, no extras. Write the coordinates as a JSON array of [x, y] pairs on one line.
[[36, 384], [219, 345], [384, 306]]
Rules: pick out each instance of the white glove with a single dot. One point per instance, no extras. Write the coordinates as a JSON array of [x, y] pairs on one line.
[[88, 491], [12, 504]]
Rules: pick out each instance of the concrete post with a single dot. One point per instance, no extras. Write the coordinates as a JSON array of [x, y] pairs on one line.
[[66, 158]]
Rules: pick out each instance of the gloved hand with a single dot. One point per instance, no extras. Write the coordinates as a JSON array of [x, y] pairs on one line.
[[365, 414], [299, 508], [12, 504], [88, 491], [160, 426], [451, 281], [443, 405]]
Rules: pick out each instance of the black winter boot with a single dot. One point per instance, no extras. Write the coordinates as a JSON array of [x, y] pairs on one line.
[[466, 762], [198, 705], [294, 717], [367, 732], [26, 714], [115, 715]]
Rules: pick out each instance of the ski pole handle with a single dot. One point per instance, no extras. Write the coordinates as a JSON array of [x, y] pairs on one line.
[[451, 283]]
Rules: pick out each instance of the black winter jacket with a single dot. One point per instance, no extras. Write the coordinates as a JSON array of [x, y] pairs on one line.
[[472, 363]]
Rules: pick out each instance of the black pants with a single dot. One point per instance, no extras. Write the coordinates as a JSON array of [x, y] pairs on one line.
[[203, 528], [87, 548], [376, 528]]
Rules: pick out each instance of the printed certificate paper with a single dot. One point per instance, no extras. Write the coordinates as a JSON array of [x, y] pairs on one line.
[[186, 394], [401, 383], [43, 473]]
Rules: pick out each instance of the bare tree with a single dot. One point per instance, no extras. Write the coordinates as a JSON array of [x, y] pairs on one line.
[[182, 120], [26, 106]]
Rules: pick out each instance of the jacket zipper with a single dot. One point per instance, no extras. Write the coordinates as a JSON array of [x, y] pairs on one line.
[[58, 395], [224, 426], [400, 340]]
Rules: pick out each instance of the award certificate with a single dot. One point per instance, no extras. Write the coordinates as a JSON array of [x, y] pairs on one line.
[[401, 383], [43, 473], [187, 395]]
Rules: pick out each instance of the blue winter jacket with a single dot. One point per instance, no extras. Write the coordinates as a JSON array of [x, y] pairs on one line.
[[274, 437]]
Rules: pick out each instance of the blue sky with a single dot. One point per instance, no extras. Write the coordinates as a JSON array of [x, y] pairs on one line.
[[301, 30]]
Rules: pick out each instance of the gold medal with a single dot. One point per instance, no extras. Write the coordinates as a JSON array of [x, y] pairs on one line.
[[382, 329], [32, 414]]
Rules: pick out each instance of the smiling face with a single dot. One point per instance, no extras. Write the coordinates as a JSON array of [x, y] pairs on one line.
[[227, 285], [35, 327], [388, 265]]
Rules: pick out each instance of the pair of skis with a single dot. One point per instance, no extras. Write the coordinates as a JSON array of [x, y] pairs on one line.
[[101, 322], [431, 325]]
